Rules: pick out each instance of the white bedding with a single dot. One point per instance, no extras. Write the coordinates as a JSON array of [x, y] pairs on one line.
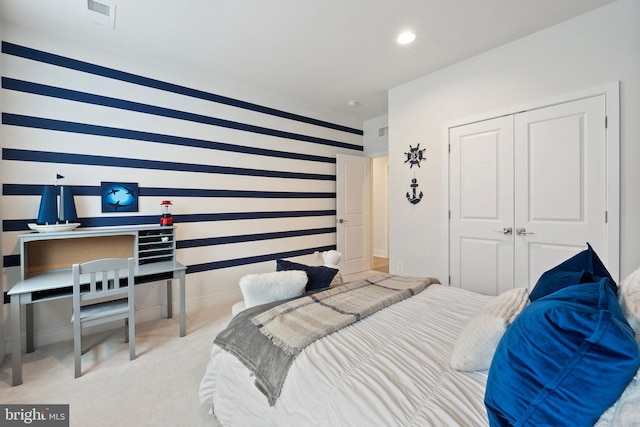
[[391, 368]]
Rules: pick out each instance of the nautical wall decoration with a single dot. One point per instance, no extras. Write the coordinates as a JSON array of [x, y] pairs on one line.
[[415, 156], [119, 197], [414, 198], [52, 216]]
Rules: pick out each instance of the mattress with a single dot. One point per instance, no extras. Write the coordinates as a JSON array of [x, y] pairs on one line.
[[389, 369]]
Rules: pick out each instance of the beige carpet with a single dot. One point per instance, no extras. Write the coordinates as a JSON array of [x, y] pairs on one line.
[[159, 388]]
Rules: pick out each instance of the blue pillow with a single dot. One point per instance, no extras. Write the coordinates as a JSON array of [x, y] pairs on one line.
[[583, 267], [564, 360], [319, 276]]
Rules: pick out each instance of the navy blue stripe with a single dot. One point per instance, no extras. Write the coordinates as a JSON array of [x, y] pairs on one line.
[[61, 61], [197, 268], [88, 98], [94, 190], [108, 221], [11, 261], [87, 129], [85, 159], [14, 260], [194, 243]]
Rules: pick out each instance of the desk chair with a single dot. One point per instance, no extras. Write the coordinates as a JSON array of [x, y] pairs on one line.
[[108, 297]]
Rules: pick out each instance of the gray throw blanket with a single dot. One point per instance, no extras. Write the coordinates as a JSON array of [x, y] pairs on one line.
[[294, 325], [268, 362]]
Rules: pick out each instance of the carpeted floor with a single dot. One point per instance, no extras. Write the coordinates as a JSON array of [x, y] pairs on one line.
[[158, 388]]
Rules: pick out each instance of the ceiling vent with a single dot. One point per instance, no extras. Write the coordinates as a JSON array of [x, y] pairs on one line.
[[384, 131], [101, 13]]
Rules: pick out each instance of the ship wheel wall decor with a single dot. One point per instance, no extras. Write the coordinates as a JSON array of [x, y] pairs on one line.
[[415, 156]]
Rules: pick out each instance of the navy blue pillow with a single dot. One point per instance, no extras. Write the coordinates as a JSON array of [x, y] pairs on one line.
[[319, 276], [583, 267], [564, 360]]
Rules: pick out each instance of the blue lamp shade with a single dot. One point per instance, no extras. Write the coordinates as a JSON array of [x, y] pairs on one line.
[[67, 205], [48, 213]]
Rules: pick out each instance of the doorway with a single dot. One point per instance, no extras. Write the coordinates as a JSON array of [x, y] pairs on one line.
[[380, 213], [362, 209]]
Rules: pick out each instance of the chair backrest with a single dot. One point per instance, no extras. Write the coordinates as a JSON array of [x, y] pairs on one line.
[[103, 278]]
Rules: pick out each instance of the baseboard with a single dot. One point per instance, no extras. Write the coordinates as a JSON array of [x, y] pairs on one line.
[[380, 253]]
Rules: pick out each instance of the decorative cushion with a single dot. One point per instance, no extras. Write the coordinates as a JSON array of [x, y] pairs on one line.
[[319, 276], [564, 360], [264, 288], [583, 267], [630, 295], [629, 298], [479, 338]]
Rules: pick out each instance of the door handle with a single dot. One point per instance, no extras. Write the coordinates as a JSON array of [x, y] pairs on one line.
[[522, 231], [506, 230], [342, 221]]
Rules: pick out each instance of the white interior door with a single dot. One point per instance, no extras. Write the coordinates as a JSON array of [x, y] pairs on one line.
[[481, 206], [560, 181], [353, 212]]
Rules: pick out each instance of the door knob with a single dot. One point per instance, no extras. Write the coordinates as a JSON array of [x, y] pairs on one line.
[[506, 230], [341, 221], [522, 231]]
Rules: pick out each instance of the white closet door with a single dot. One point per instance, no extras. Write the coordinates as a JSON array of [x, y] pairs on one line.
[[481, 206], [560, 185]]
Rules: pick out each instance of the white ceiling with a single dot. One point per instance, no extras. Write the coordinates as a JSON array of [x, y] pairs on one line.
[[322, 53]]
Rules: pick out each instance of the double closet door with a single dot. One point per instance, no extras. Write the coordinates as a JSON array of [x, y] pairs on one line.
[[527, 191]]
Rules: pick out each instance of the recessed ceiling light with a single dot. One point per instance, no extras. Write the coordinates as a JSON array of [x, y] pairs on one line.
[[352, 103], [406, 37]]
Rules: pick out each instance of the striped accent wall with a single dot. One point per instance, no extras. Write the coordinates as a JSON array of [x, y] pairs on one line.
[[249, 183]]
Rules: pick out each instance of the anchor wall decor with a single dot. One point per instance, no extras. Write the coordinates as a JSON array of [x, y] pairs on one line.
[[414, 198]]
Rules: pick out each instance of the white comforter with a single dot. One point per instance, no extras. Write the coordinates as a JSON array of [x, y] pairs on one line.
[[389, 369]]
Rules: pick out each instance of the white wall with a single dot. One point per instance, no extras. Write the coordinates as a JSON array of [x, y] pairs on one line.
[[591, 50], [380, 206], [298, 194], [375, 145]]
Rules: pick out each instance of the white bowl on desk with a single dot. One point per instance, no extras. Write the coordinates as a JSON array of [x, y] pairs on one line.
[[54, 228]]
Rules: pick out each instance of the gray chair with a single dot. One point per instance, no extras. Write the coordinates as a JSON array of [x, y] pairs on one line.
[[108, 296]]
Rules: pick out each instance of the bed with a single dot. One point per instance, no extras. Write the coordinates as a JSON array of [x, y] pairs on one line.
[[406, 364]]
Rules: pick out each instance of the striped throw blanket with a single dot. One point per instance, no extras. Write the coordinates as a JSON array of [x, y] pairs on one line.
[[295, 324]]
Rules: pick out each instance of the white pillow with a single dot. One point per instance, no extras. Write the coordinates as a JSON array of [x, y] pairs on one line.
[[629, 298], [477, 342], [269, 287], [629, 295], [625, 411], [479, 339]]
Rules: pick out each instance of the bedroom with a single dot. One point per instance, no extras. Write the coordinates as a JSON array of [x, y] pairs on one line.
[[591, 50]]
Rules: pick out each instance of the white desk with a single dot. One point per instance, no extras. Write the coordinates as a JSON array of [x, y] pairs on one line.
[[45, 271]]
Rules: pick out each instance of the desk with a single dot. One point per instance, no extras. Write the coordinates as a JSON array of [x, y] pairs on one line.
[[45, 271]]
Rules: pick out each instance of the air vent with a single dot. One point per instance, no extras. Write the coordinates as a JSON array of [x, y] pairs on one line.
[[384, 131], [101, 13]]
